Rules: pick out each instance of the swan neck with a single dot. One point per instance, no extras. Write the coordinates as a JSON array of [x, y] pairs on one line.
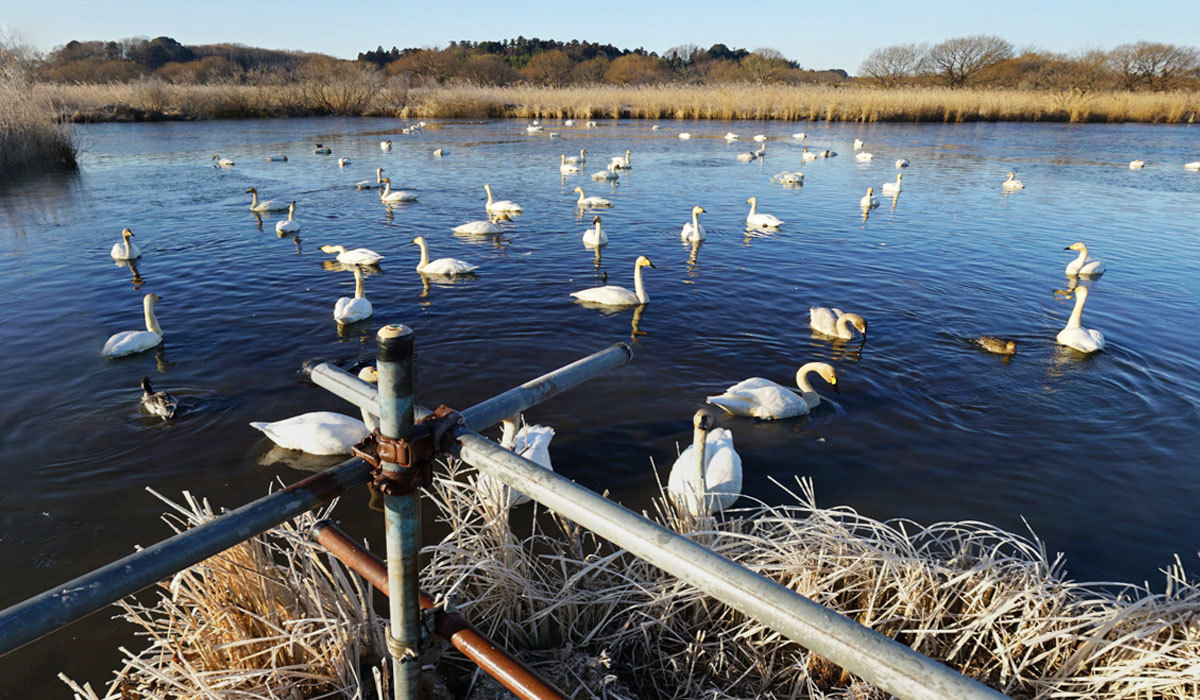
[[638, 288], [424, 256], [753, 207], [358, 283], [291, 212], [509, 439], [387, 188], [802, 379], [1077, 312], [1083, 254], [128, 253], [842, 326], [696, 222], [489, 194], [151, 319], [699, 443], [253, 200]]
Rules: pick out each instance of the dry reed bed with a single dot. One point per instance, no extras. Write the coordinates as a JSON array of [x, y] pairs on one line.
[[155, 99], [277, 618], [29, 134]]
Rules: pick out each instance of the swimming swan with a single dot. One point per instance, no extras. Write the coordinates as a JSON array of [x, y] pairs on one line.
[[1083, 266], [868, 201], [265, 204], [692, 230], [1075, 336], [129, 342], [836, 323], [478, 228], [502, 205], [893, 187], [222, 162], [764, 399], [591, 202], [901, 163], [390, 197], [385, 145], [1137, 164], [864, 156], [786, 178], [356, 308], [531, 442], [125, 250], [357, 256], [343, 162], [730, 136], [621, 163], [721, 477], [685, 135], [1013, 184], [566, 167], [612, 295], [858, 144], [605, 175], [158, 403], [800, 136], [317, 433], [1194, 165], [288, 225], [595, 236], [807, 155], [580, 159], [375, 184], [757, 220], [441, 266]]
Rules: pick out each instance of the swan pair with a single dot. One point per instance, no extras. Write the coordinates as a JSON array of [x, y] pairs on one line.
[[387, 196], [756, 220], [836, 323], [357, 256], [265, 205], [1074, 335], [130, 342], [125, 250], [1083, 266], [612, 295], [585, 202], [321, 432], [356, 308], [501, 205], [375, 184], [764, 399], [707, 476], [531, 442], [441, 266]]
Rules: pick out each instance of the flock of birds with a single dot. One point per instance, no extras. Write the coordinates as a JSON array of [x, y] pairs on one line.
[[707, 475]]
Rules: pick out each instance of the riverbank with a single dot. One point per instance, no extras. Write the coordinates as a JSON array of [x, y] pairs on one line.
[[155, 100], [30, 136]]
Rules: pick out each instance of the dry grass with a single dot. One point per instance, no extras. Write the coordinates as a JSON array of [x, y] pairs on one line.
[[154, 99], [29, 134]]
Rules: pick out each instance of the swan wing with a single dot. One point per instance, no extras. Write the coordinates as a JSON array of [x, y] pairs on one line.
[[318, 433], [129, 342], [351, 309], [448, 266], [610, 295], [761, 398], [823, 320], [533, 443], [359, 256]]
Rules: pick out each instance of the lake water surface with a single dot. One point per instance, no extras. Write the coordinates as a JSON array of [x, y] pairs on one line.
[[1097, 454]]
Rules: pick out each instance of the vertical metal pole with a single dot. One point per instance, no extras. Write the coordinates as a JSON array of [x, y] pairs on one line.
[[402, 513]]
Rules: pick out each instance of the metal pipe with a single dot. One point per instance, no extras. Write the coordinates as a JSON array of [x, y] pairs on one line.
[[509, 671], [342, 384], [28, 620], [401, 511], [871, 656]]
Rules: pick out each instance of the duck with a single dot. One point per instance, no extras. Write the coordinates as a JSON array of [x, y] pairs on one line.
[[764, 399], [893, 187], [317, 433], [478, 228], [502, 205], [858, 144], [356, 308], [288, 225], [265, 204], [555, 135], [786, 178], [692, 230], [566, 167], [605, 176], [595, 236], [130, 342], [322, 150], [390, 197], [343, 162], [613, 295], [826, 153], [125, 249], [580, 159], [385, 145], [757, 220], [901, 163], [621, 163], [685, 135], [864, 156], [835, 322], [357, 256], [760, 137], [1075, 336], [1083, 266], [158, 403], [531, 442], [1000, 346], [439, 152], [1012, 183], [721, 476], [585, 202], [799, 135], [375, 184], [441, 266], [730, 136], [278, 157], [1194, 165], [219, 162], [1137, 164], [868, 201], [807, 155]]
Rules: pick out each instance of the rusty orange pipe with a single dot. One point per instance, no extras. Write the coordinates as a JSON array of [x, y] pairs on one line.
[[523, 681]]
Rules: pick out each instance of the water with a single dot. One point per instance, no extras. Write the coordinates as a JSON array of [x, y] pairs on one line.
[[1095, 453]]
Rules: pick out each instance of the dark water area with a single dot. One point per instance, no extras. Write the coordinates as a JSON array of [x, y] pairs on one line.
[[1097, 454]]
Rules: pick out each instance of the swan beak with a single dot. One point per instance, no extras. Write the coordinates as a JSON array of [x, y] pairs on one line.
[[1067, 248], [837, 390], [651, 264]]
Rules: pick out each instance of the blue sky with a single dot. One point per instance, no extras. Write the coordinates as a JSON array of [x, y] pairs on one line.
[[817, 34]]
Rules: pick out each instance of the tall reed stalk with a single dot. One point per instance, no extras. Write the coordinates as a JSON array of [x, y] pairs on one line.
[[30, 134]]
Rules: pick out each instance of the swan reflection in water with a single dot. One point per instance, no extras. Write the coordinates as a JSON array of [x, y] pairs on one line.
[[692, 263], [132, 265], [162, 364]]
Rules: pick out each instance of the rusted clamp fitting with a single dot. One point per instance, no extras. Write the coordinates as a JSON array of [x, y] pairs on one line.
[[401, 652], [410, 455]]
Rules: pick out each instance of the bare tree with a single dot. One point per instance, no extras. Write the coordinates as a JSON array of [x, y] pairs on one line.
[[893, 66], [1152, 65], [958, 60], [684, 53]]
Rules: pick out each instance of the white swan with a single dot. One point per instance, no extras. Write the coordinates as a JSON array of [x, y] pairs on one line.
[[580, 159], [1075, 336], [605, 175], [375, 184], [585, 202], [502, 205], [265, 204], [356, 308], [317, 433], [747, 156], [893, 187], [531, 442], [288, 225], [478, 228], [621, 163], [858, 144], [868, 201], [685, 135], [591, 125], [863, 156], [343, 162], [786, 178], [569, 122], [279, 157], [760, 138], [720, 480], [357, 256], [1083, 266], [760, 220], [129, 342], [1194, 165], [565, 167], [222, 162], [800, 136], [385, 145], [533, 128], [901, 163], [692, 230], [612, 295], [125, 250], [807, 155], [656, 127], [390, 197], [730, 136], [158, 403], [441, 266], [1137, 164], [1012, 183], [439, 152], [322, 150], [836, 323], [595, 236], [764, 399]]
